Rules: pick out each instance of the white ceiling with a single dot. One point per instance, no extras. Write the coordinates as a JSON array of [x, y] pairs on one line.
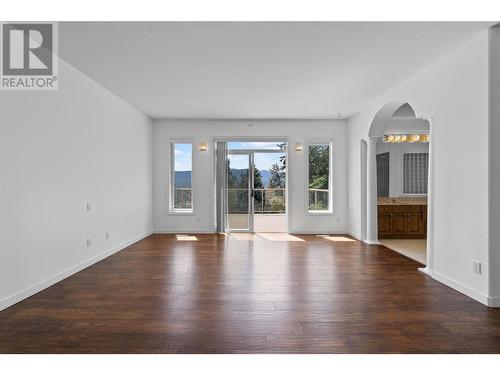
[[255, 70]]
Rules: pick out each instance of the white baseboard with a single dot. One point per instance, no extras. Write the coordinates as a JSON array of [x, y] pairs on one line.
[[368, 242], [184, 232], [426, 270], [462, 288], [29, 291], [354, 235], [494, 301]]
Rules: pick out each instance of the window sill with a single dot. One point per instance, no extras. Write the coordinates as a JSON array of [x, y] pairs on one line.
[[181, 213], [320, 213]]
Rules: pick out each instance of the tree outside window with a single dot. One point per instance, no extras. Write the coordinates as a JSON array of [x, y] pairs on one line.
[[319, 177]]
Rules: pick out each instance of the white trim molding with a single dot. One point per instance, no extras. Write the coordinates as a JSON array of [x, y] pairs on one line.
[[462, 288], [371, 242], [371, 192], [33, 289], [173, 141], [430, 195], [184, 232], [320, 142], [494, 301], [354, 235]]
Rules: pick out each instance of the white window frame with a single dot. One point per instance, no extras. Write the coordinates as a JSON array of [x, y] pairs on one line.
[[314, 142], [171, 208]]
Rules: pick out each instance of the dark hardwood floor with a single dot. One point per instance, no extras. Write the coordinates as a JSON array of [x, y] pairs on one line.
[[236, 295]]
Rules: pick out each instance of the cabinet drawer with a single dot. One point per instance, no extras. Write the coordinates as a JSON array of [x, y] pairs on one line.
[[384, 210], [407, 208]]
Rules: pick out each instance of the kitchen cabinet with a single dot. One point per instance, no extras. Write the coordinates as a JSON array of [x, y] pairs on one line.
[[402, 221]]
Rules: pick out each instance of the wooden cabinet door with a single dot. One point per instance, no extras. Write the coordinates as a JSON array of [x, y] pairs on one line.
[[398, 226], [384, 224], [413, 223], [402, 221]]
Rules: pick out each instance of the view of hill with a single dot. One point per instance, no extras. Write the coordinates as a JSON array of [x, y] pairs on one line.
[[183, 178], [266, 175]]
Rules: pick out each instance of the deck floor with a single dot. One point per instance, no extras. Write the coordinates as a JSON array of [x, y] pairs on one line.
[[262, 222]]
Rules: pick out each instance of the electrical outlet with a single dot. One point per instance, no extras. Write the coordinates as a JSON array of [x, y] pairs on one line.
[[478, 267], [107, 236], [89, 242]]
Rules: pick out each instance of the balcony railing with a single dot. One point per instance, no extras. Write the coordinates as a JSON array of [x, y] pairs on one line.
[[271, 200], [266, 200], [318, 199], [183, 198]]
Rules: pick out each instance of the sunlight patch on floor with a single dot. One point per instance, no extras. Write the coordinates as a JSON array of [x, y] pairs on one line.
[[186, 237], [336, 238], [280, 237], [275, 237], [242, 236]]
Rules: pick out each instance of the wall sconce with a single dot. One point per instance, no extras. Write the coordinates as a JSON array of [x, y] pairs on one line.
[[297, 147], [202, 146]]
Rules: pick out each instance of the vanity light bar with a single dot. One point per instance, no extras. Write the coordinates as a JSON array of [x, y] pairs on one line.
[[398, 138]]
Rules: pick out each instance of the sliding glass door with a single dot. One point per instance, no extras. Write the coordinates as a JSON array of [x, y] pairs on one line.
[[255, 190], [239, 192]]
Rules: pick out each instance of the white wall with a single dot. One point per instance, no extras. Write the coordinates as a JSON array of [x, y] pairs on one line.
[[396, 152], [59, 150], [455, 91], [495, 165], [203, 171]]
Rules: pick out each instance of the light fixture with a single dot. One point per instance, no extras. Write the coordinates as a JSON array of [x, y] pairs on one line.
[[414, 138], [411, 138], [202, 146], [297, 147]]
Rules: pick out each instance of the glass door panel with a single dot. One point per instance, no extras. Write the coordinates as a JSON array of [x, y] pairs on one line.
[[255, 191], [269, 192], [238, 192]]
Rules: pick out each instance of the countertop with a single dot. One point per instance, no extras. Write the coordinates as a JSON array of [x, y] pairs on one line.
[[402, 201]]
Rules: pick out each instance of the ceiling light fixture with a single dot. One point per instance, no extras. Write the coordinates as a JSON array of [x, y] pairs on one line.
[[411, 138]]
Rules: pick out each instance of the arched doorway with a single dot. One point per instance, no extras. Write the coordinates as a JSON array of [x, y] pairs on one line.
[[395, 120]]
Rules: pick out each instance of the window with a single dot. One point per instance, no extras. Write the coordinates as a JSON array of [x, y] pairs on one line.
[[181, 195], [257, 145], [319, 177], [415, 171]]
